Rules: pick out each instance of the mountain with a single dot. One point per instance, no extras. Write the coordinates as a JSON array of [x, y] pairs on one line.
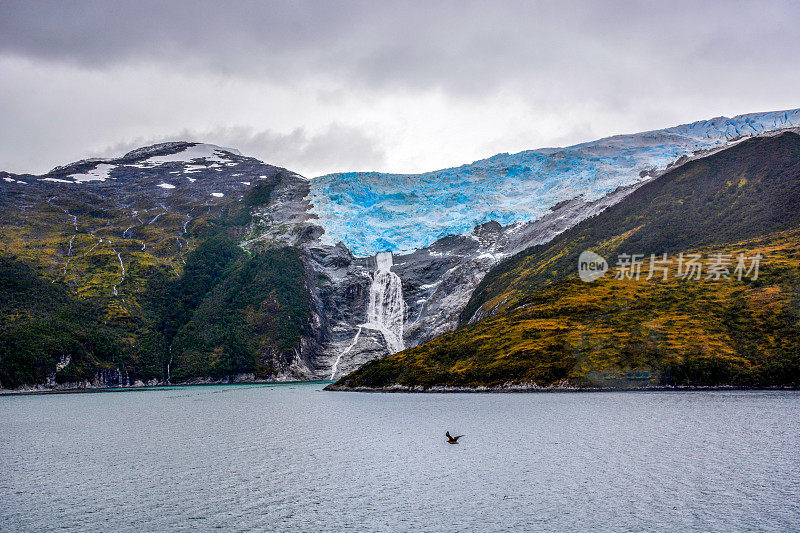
[[533, 323], [196, 263], [145, 249], [372, 212]]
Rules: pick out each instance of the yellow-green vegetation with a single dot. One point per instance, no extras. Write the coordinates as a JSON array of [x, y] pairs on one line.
[[81, 242], [83, 253], [626, 333], [163, 286]]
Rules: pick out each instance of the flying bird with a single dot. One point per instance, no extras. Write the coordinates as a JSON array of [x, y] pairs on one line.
[[451, 439]]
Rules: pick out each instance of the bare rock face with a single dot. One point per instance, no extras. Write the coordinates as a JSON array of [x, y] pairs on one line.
[[367, 344]]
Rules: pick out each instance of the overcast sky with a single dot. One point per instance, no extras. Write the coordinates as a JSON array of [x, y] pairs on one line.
[[393, 86]]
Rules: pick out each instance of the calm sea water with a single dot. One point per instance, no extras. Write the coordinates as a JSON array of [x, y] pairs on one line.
[[291, 457]]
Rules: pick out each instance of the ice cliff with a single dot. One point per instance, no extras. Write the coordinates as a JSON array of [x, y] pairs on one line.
[[372, 212]]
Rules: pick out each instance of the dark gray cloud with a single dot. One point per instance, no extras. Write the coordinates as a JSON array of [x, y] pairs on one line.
[[460, 46], [404, 85]]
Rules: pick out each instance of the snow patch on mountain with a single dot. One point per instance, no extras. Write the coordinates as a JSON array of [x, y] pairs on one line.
[[372, 212], [181, 158], [208, 152], [98, 173]]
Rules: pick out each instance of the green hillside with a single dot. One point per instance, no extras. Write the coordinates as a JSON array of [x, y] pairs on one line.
[[191, 303], [42, 324]]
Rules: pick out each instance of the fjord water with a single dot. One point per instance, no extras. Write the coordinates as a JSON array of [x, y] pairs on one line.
[[292, 457]]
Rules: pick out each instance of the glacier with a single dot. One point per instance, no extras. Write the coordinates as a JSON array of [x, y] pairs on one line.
[[373, 212]]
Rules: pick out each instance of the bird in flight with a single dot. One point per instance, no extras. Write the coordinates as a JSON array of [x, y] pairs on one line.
[[451, 439]]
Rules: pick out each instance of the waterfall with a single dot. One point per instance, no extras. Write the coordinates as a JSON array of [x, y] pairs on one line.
[[385, 309]]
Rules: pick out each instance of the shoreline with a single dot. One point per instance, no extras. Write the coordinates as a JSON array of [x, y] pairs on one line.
[[33, 391], [522, 389], [401, 389]]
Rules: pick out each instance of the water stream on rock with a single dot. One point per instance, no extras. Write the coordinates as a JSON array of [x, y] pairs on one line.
[[385, 308], [386, 311]]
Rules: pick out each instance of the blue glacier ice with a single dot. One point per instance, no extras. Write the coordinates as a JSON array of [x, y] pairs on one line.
[[372, 212]]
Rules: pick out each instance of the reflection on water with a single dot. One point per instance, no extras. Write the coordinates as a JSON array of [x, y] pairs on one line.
[[293, 457]]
